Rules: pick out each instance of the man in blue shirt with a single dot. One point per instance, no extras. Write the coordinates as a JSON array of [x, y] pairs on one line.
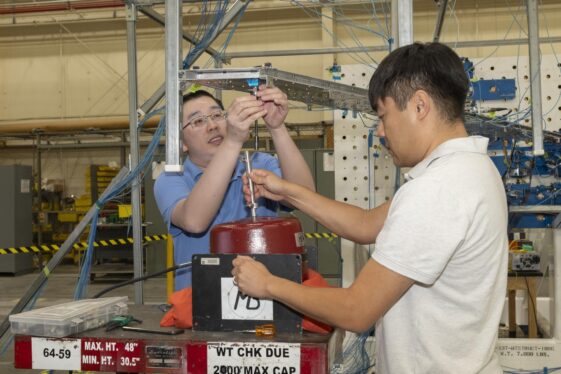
[[209, 191]]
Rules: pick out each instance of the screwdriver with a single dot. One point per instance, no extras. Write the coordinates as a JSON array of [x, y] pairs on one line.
[[264, 330], [252, 205], [120, 321]]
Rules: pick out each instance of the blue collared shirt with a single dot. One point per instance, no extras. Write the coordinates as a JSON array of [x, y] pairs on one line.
[[169, 189]]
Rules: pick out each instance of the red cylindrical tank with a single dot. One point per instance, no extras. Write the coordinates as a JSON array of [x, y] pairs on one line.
[[260, 235]]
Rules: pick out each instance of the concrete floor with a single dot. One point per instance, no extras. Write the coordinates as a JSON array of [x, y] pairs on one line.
[[60, 289]]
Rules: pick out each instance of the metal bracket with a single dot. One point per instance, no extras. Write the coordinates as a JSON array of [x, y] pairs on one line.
[[311, 91]]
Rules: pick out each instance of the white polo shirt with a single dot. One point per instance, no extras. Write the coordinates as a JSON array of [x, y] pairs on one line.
[[446, 230]]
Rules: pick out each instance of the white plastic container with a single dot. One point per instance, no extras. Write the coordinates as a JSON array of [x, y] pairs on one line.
[[70, 318]]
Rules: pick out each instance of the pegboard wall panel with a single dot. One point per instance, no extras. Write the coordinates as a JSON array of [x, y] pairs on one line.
[[518, 68], [365, 175], [364, 171]]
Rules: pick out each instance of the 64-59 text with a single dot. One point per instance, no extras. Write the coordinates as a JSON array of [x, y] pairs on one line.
[[57, 353]]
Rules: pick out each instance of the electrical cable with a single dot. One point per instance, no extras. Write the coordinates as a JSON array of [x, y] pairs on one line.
[[531, 371], [218, 13], [354, 56], [80, 290], [533, 304], [355, 356], [144, 277], [29, 306]]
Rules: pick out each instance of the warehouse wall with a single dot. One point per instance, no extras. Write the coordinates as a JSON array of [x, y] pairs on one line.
[[55, 70], [69, 166]]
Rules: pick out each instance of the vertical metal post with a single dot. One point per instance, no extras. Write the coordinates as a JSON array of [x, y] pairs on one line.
[[38, 181], [232, 12], [123, 150], [555, 309], [535, 75], [395, 25], [138, 257], [218, 92], [442, 4], [173, 105], [405, 22]]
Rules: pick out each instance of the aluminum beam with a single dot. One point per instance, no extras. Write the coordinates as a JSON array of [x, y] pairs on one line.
[[395, 25], [158, 18], [381, 48], [138, 259], [535, 74], [307, 52], [405, 22], [492, 128], [173, 62], [173, 92], [311, 91], [160, 92]]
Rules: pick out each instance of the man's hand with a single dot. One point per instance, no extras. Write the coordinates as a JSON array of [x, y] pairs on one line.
[[243, 112], [265, 184], [251, 277], [276, 104]]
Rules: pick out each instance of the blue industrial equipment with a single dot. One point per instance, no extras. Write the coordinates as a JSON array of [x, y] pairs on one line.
[[529, 180], [494, 89]]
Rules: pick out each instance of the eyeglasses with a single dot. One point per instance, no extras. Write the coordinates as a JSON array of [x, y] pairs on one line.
[[201, 121]]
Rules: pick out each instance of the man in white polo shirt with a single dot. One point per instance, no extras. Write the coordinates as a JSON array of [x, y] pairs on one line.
[[436, 282]]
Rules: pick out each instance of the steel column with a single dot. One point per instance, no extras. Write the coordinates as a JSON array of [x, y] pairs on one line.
[[535, 74], [228, 17], [442, 4], [173, 90], [155, 16], [138, 259], [405, 22]]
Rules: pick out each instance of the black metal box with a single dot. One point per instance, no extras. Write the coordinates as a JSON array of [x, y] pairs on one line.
[[218, 305]]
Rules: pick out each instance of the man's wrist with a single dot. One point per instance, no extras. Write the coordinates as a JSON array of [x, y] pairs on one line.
[[233, 142], [270, 281], [278, 129]]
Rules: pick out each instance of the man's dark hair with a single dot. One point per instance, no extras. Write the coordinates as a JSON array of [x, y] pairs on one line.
[[200, 93], [432, 67]]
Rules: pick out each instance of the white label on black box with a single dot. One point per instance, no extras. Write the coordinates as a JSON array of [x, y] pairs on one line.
[[210, 261], [300, 238], [253, 358], [236, 305], [56, 354]]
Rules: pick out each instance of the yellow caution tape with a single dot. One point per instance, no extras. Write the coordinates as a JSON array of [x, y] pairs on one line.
[[50, 248]]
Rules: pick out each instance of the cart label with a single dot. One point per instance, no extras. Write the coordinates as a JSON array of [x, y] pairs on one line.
[[107, 355], [253, 358], [56, 354], [164, 357]]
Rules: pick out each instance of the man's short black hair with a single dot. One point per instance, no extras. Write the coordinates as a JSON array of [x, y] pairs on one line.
[[200, 93], [432, 67]]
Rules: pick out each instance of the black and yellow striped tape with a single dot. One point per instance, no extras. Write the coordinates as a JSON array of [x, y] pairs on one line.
[[79, 245], [320, 235], [114, 242]]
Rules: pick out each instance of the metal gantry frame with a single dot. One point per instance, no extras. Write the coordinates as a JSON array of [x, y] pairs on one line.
[[310, 91], [402, 15], [174, 34]]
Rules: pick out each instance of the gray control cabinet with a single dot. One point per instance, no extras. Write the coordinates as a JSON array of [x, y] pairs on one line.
[[16, 191]]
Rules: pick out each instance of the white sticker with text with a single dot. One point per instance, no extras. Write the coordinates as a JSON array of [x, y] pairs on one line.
[[253, 358], [56, 354]]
